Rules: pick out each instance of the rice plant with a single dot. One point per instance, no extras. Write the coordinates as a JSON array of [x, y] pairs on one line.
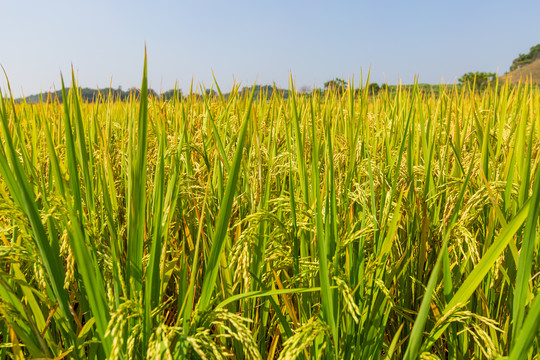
[[336, 225]]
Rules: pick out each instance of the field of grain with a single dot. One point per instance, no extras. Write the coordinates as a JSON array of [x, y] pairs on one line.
[[325, 226]]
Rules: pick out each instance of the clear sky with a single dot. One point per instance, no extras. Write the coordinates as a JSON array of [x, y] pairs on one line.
[[261, 41]]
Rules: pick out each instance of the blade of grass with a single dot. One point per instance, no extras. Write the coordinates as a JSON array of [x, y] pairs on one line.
[[225, 208], [529, 332], [20, 188], [137, 195], [526, 258]]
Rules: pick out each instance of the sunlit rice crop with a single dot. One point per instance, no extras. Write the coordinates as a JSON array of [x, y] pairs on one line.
[[342, 224]]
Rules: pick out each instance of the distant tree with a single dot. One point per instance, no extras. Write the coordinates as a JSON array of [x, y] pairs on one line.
[[336, 84], [210, 93], [262, 91], [169, 94], [373, 88], [482, 79], [267, 90], [317, 92]]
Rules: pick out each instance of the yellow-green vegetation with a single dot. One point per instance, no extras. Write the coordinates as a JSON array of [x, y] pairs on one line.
[[529, 72], [526, 67], [339, 225]]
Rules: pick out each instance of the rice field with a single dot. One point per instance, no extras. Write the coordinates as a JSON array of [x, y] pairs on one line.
[[337, 225]]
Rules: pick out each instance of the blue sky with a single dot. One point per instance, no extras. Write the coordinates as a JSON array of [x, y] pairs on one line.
[[250, 41]]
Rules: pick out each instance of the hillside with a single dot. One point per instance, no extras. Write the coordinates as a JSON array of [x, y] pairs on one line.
[[530, 70], [525, 66], [525, 59]]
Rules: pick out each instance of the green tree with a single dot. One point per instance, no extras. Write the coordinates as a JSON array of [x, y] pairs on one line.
[[482, 79], [210, 93], [374, 88], [336, 84]]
